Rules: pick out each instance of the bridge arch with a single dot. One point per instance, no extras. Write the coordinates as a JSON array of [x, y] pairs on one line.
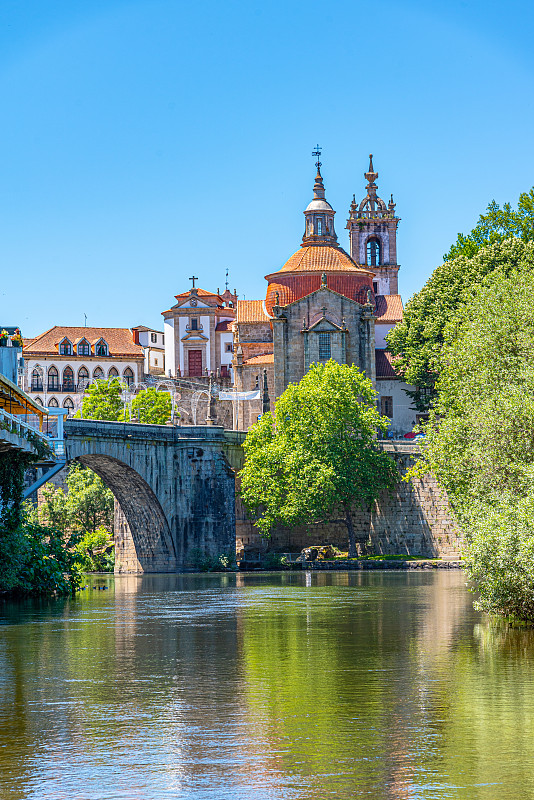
[[153, 546]]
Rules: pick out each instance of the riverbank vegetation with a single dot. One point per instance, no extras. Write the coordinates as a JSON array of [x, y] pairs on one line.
[[480, 436], [316, 458]]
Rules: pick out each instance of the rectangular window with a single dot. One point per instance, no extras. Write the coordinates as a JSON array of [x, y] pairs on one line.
[[153, 338], [319, 227], [84, 350], [194, 324], [229, 347], [386, 407], [325, 348]]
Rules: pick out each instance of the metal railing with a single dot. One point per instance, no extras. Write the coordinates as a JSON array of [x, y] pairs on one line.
[[16, 425]]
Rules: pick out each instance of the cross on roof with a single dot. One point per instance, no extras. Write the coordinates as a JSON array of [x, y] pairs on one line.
[[193, 278], [323, 309], [317, 154]]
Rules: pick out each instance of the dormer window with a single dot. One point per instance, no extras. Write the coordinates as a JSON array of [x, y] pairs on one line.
[[84, 348], [65, 348], [101, 348]]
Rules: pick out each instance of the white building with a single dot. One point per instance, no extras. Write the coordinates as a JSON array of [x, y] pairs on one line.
[[61, 362], [153, 344], [198, 334]]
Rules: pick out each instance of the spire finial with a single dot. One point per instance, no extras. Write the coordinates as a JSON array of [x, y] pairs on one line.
[[226, 278], [371, 162], [317, 154]]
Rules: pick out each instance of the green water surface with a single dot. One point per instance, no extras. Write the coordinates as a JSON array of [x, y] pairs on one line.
[[265, 687]]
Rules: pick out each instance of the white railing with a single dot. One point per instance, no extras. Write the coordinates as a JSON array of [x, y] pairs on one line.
[[16, 425]]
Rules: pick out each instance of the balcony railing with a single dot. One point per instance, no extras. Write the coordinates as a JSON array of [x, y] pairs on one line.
[[53, 385], [36, 386]]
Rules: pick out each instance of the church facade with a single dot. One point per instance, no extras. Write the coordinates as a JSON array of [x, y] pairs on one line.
[[326, 303]]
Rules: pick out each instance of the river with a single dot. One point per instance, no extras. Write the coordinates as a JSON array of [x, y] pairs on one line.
[[266, 686]]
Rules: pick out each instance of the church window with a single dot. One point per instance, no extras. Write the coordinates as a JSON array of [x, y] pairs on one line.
[[319, 227], [325, 347], [194, 324], [373, 253], [68, 379], [386, 407], [67, 403]]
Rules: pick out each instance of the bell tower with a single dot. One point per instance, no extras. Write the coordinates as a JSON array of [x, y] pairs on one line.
[[372, 230]]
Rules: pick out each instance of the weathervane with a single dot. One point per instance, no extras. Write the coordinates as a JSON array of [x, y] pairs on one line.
[[226, 278], [317, 154]]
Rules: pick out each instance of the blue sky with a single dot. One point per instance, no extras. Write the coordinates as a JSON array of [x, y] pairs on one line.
[[147, 140]]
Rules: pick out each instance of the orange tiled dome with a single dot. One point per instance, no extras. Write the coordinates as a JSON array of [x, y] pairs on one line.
[[301, 275]]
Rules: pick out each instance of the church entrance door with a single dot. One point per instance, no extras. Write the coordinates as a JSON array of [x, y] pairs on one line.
[[195, 363]]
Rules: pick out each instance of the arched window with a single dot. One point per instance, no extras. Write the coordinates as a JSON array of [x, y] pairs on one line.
[[101, 348], [67, 403], [68, 379], [53, 403], [83, 378], [98, 374], [65, 348], [113, 373], [53, 379], [373, 253], [128, 376], [37, 380], [38, 400]]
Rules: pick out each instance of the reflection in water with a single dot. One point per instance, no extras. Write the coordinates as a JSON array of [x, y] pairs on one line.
[[265, 687]]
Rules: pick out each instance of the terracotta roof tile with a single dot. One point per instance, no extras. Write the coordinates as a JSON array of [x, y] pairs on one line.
[[266, 358], [389, 308], [251, 311], [321, 258], [224, 325], [119, 340], [384, 364], [200, 293]]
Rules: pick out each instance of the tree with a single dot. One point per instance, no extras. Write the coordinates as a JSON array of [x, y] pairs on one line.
[[318, 454], [84, 508], [480, 437], [102, 400], [496, 225], [417, 342], [150, 406]]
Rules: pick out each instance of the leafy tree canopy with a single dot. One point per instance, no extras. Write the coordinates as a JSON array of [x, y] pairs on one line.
[[150, 406], [103, 400], [496, 225], [317, 456], [480, 440], [417, 342]]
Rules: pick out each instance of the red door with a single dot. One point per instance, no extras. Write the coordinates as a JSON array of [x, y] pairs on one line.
[[195, 363]]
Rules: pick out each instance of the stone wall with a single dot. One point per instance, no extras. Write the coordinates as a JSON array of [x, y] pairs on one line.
[[414, 520]]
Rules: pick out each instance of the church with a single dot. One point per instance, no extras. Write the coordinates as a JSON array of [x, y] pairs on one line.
[[324, 303]]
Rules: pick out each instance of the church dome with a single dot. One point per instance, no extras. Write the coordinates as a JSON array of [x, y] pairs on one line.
[[302, 274], [317, 204]]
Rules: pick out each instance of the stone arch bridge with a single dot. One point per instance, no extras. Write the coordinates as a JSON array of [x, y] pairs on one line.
[[175, 487]]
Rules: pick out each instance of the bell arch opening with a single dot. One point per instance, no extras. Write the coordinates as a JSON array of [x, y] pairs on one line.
[[145, 544]]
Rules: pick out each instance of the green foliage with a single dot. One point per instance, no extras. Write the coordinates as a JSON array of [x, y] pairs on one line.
[[95, 551], [37, 559], [480, 437], [85, 510], [318, 456], [150, 406], [102, 400], [200, 560], [417, 342], [496, 225]]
